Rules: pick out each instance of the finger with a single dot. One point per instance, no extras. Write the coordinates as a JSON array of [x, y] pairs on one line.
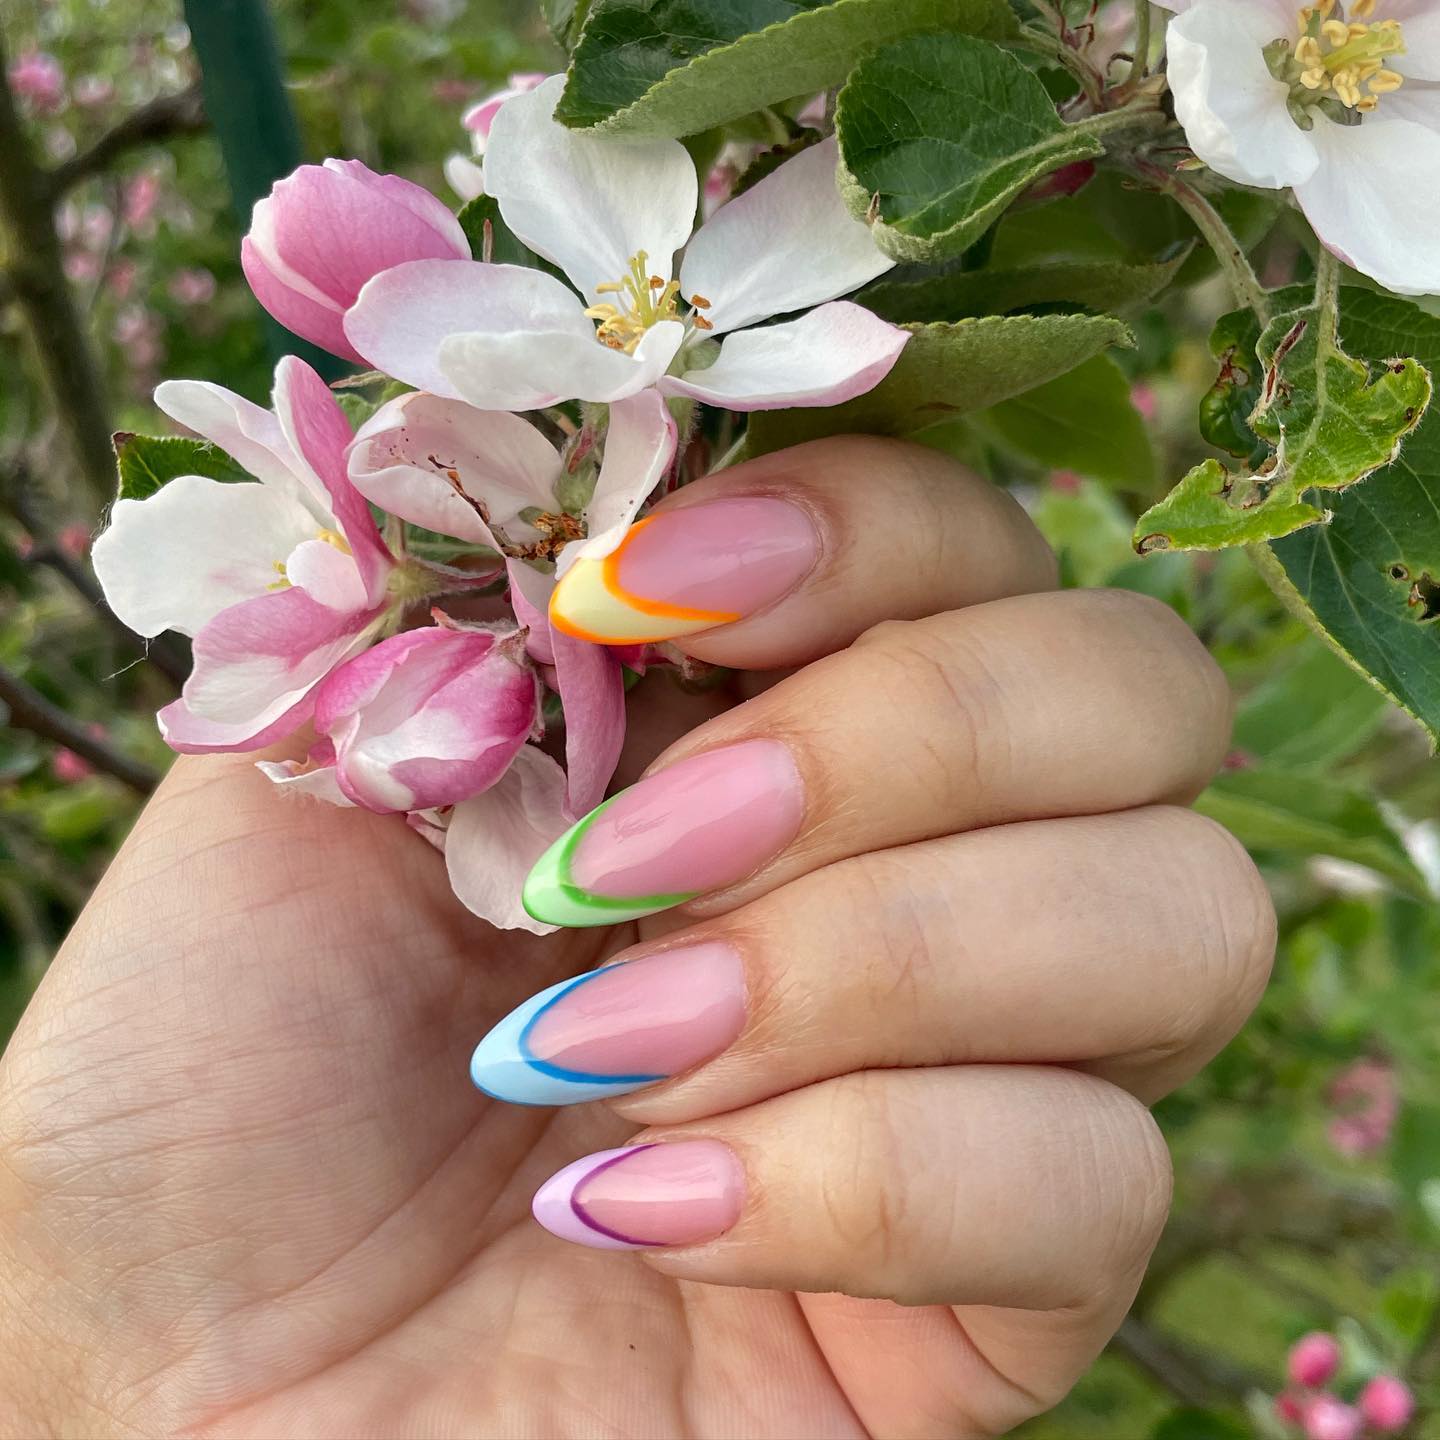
[[1150, 944], [1030, 707], [1028, 1189], [794, 555]]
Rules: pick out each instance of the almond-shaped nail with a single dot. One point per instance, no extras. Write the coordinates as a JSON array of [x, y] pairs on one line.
[[678, 1192], [698, 825], [688, 569], [615, 1029]]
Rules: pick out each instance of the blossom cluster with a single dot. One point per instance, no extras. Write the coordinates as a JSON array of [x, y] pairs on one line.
[[1309, 1406], [419, 596]]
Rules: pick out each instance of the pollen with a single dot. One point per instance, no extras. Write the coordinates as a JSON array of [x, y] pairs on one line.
[[1338, 65], [334, 539], [641, 300]]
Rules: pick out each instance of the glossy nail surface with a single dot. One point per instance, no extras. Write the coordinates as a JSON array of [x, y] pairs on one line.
[[695, 826], [687, 570], [615, 1029], [676, 1193]]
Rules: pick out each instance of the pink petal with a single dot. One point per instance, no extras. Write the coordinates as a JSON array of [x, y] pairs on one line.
[[592, 691], [191, 734], [530, 599], [294, 778], [831, 355], [299, 308]]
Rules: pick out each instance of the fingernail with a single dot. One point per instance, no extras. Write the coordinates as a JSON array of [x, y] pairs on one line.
[[644, 1195], [615, 1029], [688, 569], [696, 826]]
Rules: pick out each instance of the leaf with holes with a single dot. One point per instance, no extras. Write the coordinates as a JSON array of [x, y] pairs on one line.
[[676, 67], [938, 136], [1331, 421], [147, 463], [946, 371]]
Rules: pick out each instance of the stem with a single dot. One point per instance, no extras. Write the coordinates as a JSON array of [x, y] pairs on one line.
[[1211, 224], [1327, 298], [1136, 117], [1053, 46], [30, 710], [1140, 65], [729, 457]]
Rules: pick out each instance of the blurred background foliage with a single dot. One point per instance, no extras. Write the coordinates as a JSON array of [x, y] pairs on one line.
[[1308, 1155]]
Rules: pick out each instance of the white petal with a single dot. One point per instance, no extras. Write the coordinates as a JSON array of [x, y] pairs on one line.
[[1232, 107], [827, 356], [787, 243], [1366, 205], [1420, 20], [495, 838], [327, 574], [413, 453], [587, 202], [293, 778], [405, 314], [639, 445], [179, 557], [464, 177], [1417, 102], [528, 370]]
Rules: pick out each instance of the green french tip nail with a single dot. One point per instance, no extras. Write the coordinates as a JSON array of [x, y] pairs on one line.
[[552, 897]]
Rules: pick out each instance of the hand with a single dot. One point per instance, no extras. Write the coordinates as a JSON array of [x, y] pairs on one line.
[[247, 1189]]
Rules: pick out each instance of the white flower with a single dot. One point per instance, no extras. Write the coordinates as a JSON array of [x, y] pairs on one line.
[[467, 176], [1340, 104], [611, 214]]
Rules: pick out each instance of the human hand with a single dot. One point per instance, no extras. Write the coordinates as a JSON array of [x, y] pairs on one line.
[[247, 1191]]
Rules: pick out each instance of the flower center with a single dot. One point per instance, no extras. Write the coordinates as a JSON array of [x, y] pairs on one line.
[[333, 538], [1338, 65], [641, 300]]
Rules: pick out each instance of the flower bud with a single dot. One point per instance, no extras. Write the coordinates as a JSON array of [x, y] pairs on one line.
[[1327, 1418], [1387, 1404], [429, 718], [1314, 1358], [324, 231]]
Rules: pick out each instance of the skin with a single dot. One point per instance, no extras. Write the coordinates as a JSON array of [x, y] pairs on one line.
[[246, 1188]]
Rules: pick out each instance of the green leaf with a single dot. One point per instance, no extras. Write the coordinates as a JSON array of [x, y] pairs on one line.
[[1331, 423], [672, 67], [566, 19], [1316, 711], [505, 247], [1081, 421], [1192, 1424], [939, 134], [149, 462], [1093, 284], [1369, 581], [1300, 813], [946, 371]]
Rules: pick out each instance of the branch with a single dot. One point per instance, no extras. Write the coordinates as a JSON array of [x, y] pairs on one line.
[[161, 119], [30, 710], [1194, 1377]]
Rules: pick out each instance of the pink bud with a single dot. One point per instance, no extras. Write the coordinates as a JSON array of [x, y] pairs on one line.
[[40, 79], [324, 231], [1314, 1358], [194, 285], [1387, 1404], [1288, 1409], [1327, 1418], [430, 717], [68, 767], [481, 116]]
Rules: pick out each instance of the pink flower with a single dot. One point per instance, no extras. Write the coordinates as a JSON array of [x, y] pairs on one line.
[[120, 280], [75, 540], [38, 78], [92, 91], [1313, 1359], [427, 718], [1327, 1418], [1368, 1102], [194, 285], [69, 768], [481, 116], [139, 199], [278, 582], [1289, 1410], [1142, 397], [324, 231], [1387, 1404]]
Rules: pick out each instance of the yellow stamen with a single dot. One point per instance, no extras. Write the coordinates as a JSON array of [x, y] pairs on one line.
[[334, 538], [1338, 60]]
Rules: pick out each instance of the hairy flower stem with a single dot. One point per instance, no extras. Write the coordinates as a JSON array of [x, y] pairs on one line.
[[1327, 297], [1140, 64], [1236, 266]]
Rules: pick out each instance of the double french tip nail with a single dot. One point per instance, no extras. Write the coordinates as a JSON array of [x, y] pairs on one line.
[[616, 1029]]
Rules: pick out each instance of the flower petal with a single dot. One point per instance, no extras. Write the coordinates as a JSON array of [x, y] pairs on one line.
[[530, 591], [587, 202], [319, 433], [525, 371], [292, 300], [787, 243], [327, 574], [295, 778], [495, 838], [1233, 109], [402, 317], [191, 734], [592, 691], [639, 446], [1366, 206], [1421, 22], [827, 356], [175, 560], [429, 460], [464, 177]]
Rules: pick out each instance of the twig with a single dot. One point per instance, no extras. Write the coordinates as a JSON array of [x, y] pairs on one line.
[[1194, 1377], [30, 710], [161, 119]]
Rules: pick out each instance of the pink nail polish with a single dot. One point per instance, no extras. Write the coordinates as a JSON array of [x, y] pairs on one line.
[[675, 1193], [698, 825], [616, 1029]]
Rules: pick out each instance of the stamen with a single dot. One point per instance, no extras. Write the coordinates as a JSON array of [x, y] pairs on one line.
[[1337, 65]]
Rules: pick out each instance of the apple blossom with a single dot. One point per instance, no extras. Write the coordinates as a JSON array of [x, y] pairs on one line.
[[611, 214], [39, 78], [492, 479], [1314, 1359], [1337, 103], [466, 176], [325, 230], [1328, 1418], [277, 581], [1387, 1404]]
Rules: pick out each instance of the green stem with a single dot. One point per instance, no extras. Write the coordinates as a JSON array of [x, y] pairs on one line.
[[1327, 298], [729, 457], [1138, 118], [1053, 47], [1236, 266], [1140, 66]]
